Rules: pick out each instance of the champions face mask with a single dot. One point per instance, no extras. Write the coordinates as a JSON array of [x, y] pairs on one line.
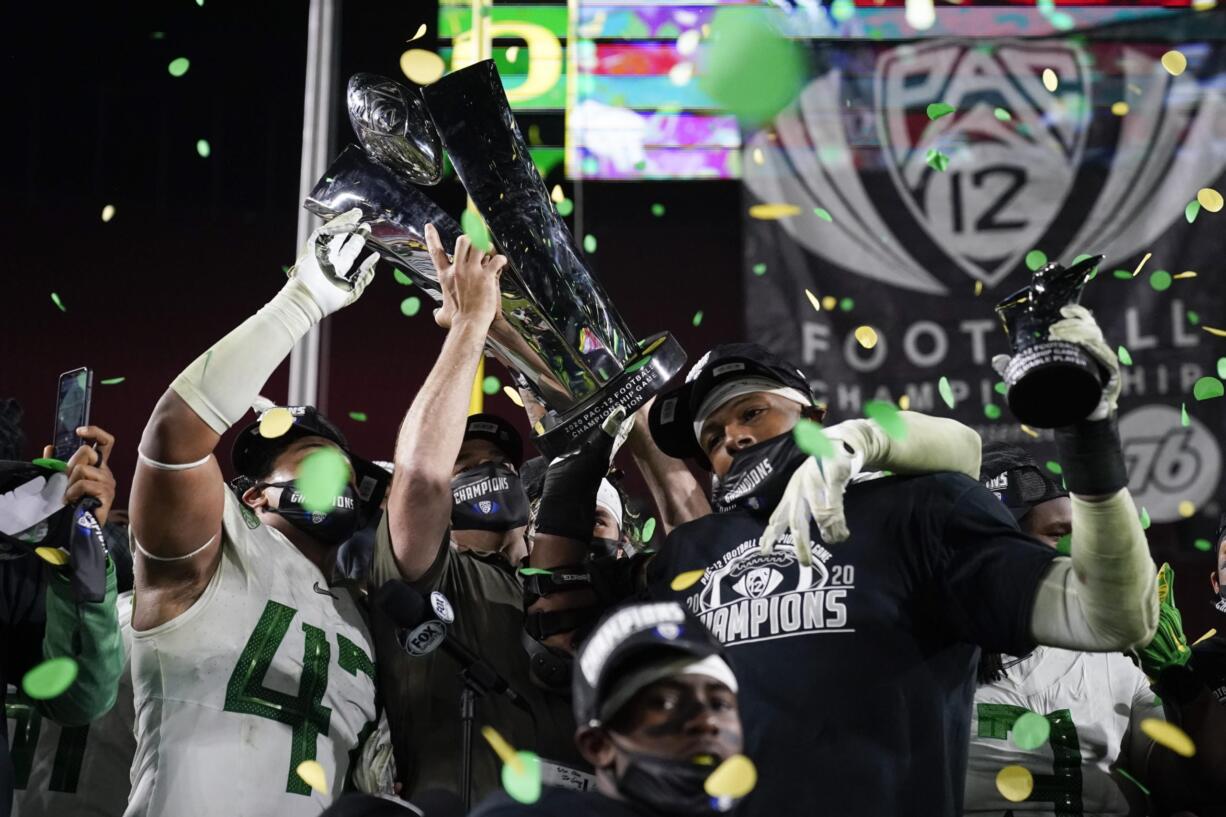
[[331, 527], [488, 497]]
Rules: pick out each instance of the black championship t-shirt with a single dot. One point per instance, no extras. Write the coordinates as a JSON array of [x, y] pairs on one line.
[[562, 803], [856, 673], [1209, 665]]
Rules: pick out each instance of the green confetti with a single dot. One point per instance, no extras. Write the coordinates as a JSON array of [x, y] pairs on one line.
[[1144, 518], [1129, 777], [1065, 544], [203, 149], [697, 319], [847, 304], [55, 299], [843, 10], [523, 784], [991, 411], [589, 243], [938, 109], [649, 530], [886, 415], [759, 269], [1184, 420], [947, 392], [1002, 114], [112, 381], [1193, 318], [400, 277], [1122, 274], [751, 70], [1030, 731], [476, 230], [936, 160], [50, 462], [823, 214], [1203, 544], [1191, 210], [812, 440], [1035, 259], [157, 35], [1160, 280], [638, 364], [1001, 388], [491, 385], [1061, 20], [321, 478], [410, 306], [1054, 467], [534, 571], [178, 67], [1221, 367], [1124, 356], [566, 207], [50, 679], [1207, 388], [657, 210], [357, 416]]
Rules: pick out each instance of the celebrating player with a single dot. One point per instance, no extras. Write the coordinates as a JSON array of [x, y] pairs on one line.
[[245, 662], [856, 659]]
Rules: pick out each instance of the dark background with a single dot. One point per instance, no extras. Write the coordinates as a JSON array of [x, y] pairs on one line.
[[197, 245]]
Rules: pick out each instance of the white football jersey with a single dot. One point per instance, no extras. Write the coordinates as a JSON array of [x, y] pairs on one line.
[[80, 771], [269, 668], [1094, 703]]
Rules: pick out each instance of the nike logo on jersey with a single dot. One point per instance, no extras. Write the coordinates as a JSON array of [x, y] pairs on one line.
[[323, 591]]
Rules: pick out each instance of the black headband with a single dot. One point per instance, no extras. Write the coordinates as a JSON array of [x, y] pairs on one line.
[[1023, 487]]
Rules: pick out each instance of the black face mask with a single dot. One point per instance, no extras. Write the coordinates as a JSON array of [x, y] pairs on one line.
[[489, 497], [758, 475], [330, 527], [667, 785], [1220, 604], [605, 547]]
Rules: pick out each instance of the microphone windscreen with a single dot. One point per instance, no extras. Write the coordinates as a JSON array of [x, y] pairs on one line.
[[402, 604]]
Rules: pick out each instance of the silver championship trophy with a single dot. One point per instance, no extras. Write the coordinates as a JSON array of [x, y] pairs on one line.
[[557, 331], [1050, 383]]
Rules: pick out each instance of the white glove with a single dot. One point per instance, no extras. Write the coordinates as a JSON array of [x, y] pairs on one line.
[[815, 492], [324, 265], [374, 772], [1080, 328]]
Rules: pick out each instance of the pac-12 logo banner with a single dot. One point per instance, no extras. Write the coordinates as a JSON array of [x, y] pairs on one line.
[[884, 236]]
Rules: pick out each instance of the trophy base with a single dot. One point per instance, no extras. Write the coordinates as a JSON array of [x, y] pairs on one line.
[[643, 378], [1053, 384]]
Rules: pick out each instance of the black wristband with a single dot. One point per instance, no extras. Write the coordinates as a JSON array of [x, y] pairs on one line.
[[568, 498], [1092, 457]]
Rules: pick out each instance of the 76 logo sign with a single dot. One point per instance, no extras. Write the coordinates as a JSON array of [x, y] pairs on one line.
[[1168, 463]]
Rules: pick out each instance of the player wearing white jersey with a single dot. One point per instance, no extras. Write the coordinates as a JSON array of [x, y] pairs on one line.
[[83, 770], [1096, 759], [246, 661]]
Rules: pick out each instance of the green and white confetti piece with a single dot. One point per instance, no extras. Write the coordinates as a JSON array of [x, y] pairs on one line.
[[697, 319], [203, 148], [991, 411], [1160, 280], [811, 439], [55, 299], [50, 679], [1144, 518], [936, 160], [1054, 467], [1183, 415], [938, 109], [321, 478], [1123, 355], [946, 391], [178, 66], [491, 385], [1207, 388], [823, 214], [1030, 731], [1002, 114], [1035, 259], [112, 381], [1190, 212], [357, 416], [565, 207], [400, 277], [657, 210], [476, 230], [886, 415], [759, 269], [589, 243], [410, 306]]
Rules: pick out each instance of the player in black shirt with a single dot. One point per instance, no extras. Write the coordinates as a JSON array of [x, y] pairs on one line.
[[656, 705], [857, 665], [1209, 656]]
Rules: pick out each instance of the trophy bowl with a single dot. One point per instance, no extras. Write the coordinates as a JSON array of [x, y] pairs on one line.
[[1049, 383]]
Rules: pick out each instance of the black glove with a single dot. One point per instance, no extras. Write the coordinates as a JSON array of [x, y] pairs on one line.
[[568, 499]]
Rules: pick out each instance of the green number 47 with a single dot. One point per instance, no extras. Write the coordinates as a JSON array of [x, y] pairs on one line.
[[304, 712], [1061, 788]]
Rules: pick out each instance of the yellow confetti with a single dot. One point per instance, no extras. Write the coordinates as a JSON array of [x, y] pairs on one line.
[[920, 14], [817, 305], [681, 73], [108, 213], [1030, 431], [423, 67], [686, 580], [513, 396], [1174, 62], [766, 212], [758, 158], [829, 303], [1187, 508], [1136, 271], [1203, 5], [1210, 199], [421, 32], [735, 778], [313, 775], [979, 287], [1212, 632], [275, 422], [1119, 108], [505, 752], [1050, 82], [1221, 333], [556, 194], [904, 402], [687, 43], [866, 336], [1185, 274], [1169, 735], [513, 53], [1014, 783], [53, 556]]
